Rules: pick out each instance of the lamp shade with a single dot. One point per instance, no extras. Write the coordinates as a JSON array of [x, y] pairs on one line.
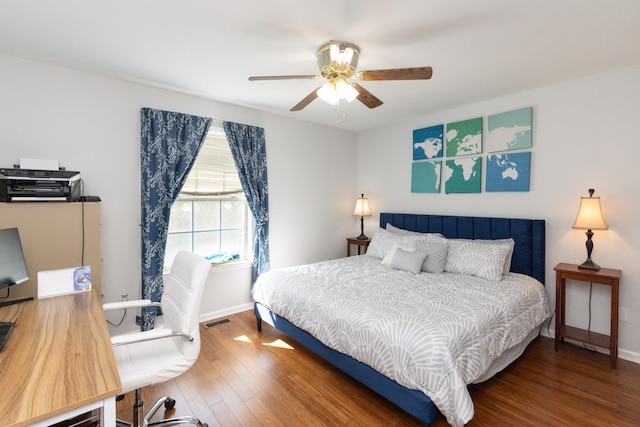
[[590, 214], [362, 207]]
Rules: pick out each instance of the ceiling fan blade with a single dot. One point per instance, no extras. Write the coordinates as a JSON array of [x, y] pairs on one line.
[[418, 73], [255, 78], [306, 101], [366, 97]]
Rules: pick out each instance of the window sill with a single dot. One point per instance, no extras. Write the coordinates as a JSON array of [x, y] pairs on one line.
[[233, 264], [229, 265]]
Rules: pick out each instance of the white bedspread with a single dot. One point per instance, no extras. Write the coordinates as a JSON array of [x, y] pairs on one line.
[[432, 332]]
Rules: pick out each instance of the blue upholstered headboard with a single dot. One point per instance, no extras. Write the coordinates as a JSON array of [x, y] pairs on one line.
[[529, 234]]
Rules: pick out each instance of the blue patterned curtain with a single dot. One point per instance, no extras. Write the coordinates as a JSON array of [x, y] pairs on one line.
[[168, 148], [248, 149]]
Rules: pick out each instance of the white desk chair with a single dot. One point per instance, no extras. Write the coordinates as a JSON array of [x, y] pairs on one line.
[[155, 356]]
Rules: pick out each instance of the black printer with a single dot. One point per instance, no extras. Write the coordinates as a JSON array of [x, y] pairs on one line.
[[29, 185]]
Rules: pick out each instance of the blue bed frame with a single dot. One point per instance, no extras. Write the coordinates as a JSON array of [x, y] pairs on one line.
[[528, 258]]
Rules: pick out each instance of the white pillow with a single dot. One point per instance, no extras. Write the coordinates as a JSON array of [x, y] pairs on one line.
[[485, 260], [383, 240], [389, 256], [436, 258], [509, 242], [432, 237], [410, 261]]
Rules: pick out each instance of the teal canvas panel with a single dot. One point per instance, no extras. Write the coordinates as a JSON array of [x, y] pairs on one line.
[[425, 177], [463, 175], [509, 131]]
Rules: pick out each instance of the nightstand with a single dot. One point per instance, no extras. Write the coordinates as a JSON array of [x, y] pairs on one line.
[[605, 276], [361, 244]]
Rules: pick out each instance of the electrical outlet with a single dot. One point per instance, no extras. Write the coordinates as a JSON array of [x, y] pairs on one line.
[[125, 297], [623, 314]]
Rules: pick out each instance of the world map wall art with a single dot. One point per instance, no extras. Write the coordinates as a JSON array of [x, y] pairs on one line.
[[507, 132], [454, 159], [427, 144]]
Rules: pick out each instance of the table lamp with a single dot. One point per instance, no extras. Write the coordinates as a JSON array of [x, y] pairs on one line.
[[362, 210], [590, 218]]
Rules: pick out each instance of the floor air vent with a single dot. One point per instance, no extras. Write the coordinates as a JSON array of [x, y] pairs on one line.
[[215, 323]]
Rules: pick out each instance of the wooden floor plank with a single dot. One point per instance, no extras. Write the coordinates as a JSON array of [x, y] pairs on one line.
[[237, 407], [243, 378]]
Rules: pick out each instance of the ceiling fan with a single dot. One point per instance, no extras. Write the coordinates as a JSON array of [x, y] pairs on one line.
[[337, 61]]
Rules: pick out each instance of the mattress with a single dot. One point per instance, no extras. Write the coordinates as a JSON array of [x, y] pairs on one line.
[[435, 333]]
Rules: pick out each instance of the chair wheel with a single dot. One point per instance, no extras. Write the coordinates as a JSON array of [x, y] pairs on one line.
[[169, 403]]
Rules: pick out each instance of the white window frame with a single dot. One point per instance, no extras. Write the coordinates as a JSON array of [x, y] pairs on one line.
[[249, 223]]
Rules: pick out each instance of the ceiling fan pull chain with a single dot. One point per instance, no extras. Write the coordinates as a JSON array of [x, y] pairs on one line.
[[344, 114]]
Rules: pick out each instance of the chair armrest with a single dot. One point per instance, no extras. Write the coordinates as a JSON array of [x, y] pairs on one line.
[[129, 304], [152, 334]]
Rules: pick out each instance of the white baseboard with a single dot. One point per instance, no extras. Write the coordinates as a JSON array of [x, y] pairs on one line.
[[631, 356], [205, 317]]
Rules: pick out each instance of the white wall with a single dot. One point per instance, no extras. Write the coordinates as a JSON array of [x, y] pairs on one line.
[[584, 136], [92, 124]]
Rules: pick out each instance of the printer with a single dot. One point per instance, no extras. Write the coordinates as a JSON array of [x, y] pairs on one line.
[[31, 185]]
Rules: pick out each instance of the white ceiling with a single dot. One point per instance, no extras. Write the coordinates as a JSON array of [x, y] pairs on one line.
[[478, 49]]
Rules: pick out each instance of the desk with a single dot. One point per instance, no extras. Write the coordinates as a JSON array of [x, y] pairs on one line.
[[58, 362]]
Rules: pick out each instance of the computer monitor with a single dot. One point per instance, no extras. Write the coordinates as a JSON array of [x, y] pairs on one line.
[[13, 269]]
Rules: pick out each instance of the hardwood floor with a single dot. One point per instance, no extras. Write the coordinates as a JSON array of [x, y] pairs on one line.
[[246, 378]]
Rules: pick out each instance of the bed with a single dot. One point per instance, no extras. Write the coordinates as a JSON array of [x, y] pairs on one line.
[[422, 367]]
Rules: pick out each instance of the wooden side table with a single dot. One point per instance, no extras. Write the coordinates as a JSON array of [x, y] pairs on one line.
[[605, 276], [361, 244]]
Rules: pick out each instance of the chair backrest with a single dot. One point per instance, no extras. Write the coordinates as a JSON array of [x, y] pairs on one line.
[[183, 289]]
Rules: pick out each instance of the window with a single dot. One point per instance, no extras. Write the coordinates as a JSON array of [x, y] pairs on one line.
[[211, 216]]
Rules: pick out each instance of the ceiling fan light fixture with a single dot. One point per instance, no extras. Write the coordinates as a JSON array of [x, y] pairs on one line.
[[341, 57], [335, 90], [338, 60], [328, 93], [346, 91]]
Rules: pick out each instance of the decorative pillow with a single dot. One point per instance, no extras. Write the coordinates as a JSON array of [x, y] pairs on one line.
[[389, 256], [485, 260], [509, 242], [436, 258], [383, 240], [431, 237], [407, 260]]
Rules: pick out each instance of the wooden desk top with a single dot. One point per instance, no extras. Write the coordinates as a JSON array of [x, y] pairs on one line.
[[57, 358]]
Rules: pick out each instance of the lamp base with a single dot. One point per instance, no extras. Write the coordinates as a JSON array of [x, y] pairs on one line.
[[362, 236], [589, 265]]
